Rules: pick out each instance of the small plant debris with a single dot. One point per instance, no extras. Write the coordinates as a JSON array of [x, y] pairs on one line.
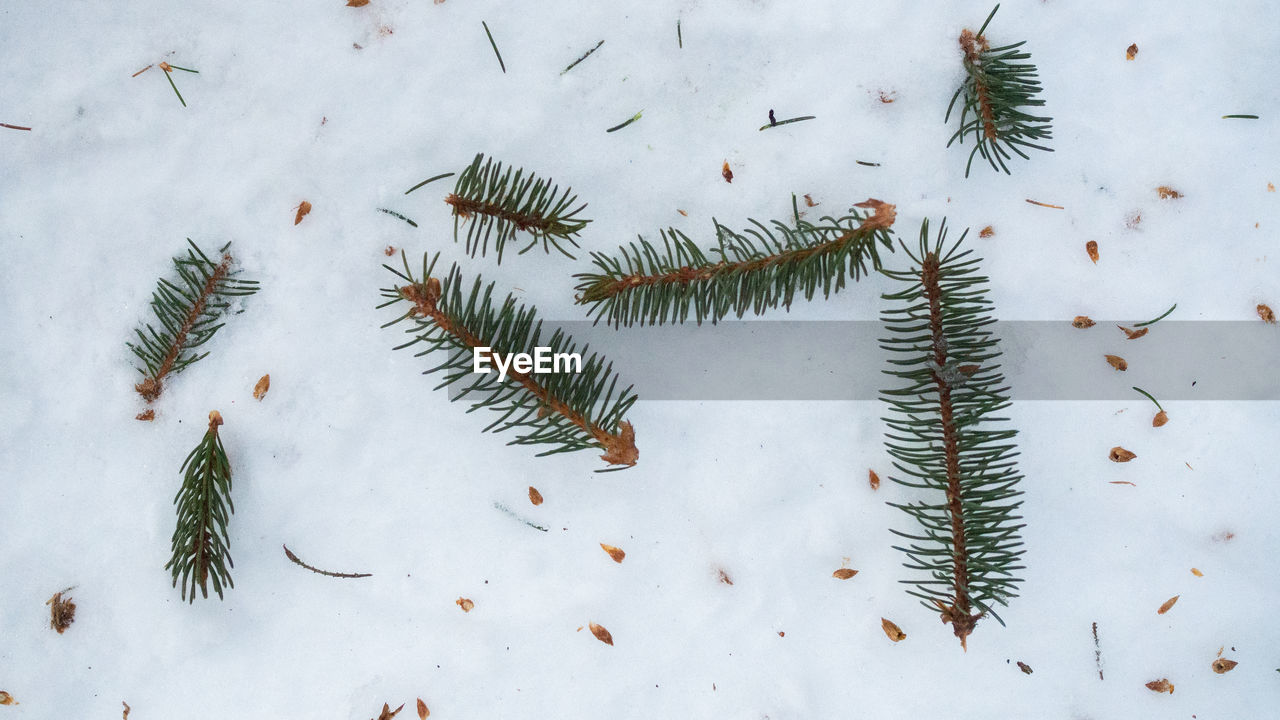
[[1082, 322], [15, 127], [1025, 668], [1163, 315], [1117, 362], [495, 46], [1133, 334], [723, 576], [395, 214], [726, 172], [1161, 417], [1223, 665], [584, 56], [614, 552], [868, 164], [357, 3], [7, 699], [1131, 52], [892, 631], [465, 603], [1196, 572], [289, 554], [1161, 686], [1097, 651], [1168, 605], [601, 634], [423, 712], [62, 611], [627, 122], [773, 123], [1091, 248], [146, 415], [261, 388], [1167, 193], [1267, 314], [1048, 205], [535, 497], [986, 232], [1240, 117], [507, 510], [127, 709], [808, 201], [387, 713], [873, 479], [303, 209], [844, 573], [1120, 455]]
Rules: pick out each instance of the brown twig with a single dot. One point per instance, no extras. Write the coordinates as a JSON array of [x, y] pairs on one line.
[[1055, 207], [151, 387], [466, 207], [974, 46], [289, 554], [14, 127], [620, 448]]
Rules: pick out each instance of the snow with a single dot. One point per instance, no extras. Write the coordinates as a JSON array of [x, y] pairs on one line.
[[357, 465]]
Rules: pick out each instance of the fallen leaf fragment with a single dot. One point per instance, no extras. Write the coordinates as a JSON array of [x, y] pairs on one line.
[[844, 573], [1196, 572], [1161, 686], [616, 553], [358, 3], [1082, 322], [1168, 193], [260, 389], [1160, 419], [1119, 454], [7, 699], [465, 604], [423, 712], [601, 634], [1168, 604], [62, 611], [987, 232], [535, 497], [1091, 247], [146, 415], [892, 630], [1131, 52], [304, 207], [1267, 315], [1133, 334], [1025, 668], [387, 713], [1223, 665], [1117, 362], [726, 172], [873, 479]]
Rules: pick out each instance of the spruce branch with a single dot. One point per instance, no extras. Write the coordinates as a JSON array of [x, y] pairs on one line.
[[498, 204], [569, 411], [752, 271], [945, 439], [188, 312], [997, 88], [200, 541]]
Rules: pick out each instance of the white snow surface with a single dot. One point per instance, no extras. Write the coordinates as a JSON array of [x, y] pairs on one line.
[[358, 465]]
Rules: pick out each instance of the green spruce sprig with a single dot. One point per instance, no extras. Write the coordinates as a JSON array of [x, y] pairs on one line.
[[200, 541], [496, 204], [997, 88], [574, 408], [755, 270], [189, 312], [945, 438]]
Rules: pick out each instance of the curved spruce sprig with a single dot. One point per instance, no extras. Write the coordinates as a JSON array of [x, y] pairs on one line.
[[995, 90], [188, 312], [569, 411], [200, 541], [944, 437], [496, 204], [752, 271]]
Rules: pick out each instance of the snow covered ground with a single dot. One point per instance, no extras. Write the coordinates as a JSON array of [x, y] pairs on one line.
[[357, 465]]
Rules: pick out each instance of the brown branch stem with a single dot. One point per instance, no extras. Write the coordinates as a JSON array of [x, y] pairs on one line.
[[151, 387], [973, 47], [466, 207]]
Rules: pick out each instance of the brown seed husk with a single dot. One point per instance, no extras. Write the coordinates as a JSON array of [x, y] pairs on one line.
[[146, 415], [1131, 52], [1168, 604], [892, 630], [844, 573], [987, 232], [264, 384], [1120, 455], [303, 209], [726, 172], [387, 713], [1168, 193], [616, 553], [1091, 247], [883, 217], [873, 479], [1267, 315], [1134, 334], [1161, 686], [423, 712], [724, 577], [1117, 362], [1024, 667], [601, 634], [1196, 572], [1160, 419], [357, 3], [1223, 665], [7, 699], [535, 497], [465, 603], [1082, 322]]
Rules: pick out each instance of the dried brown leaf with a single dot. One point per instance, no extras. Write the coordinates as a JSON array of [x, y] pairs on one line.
[[601, 634], [304, 208], [146, 415], [535, 497], [1160, 419], [726, 172], [892, 630], [1133, 334], [423, 712], [1091, 247], [62, 611], [1168, 604], [7, 699], [1117, 362], [1120, 455], [1267, 314], [987, 232], [873, 479], [1223, 665], [883, 217], [1025, 668], [1168, 193], [1196, 572], [616, 553], [1082, 322], [1131, 52], [465, 604], [264, 384], [1161, 686], [844, 573], [387, 713]]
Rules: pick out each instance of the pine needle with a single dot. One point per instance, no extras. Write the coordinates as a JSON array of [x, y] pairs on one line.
[[584, 57], [1163, 315], [429, 180], [784, 122], [13, 127], [289, 554], [393, 213], [1241, 117], [495, 46], [628, 122], [1149, 396]]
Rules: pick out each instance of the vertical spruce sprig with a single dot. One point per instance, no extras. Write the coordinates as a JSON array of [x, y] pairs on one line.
[[945, 438], [200, 541], [997, 87], [496, 205], [189, 311]]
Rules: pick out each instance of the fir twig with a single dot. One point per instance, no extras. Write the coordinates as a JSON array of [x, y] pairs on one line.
[[395, 214], [188, 312], [752, 271], [784, 122], [941, 438], [627, 122], [996, 89], [289, 554], [499, 204], [585, 55], [569, 411], [441, 176], [495, 46], [200, 541]]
